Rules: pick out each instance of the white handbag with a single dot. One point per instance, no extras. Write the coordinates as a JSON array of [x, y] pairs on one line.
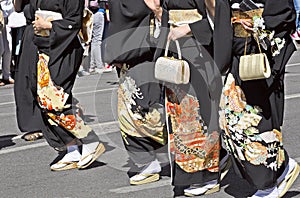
[[254, 66], [170, 69]]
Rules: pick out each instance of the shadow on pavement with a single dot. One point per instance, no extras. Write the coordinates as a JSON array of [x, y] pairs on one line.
[[95, 164], [89, 118], [291, 194], [112, 82], [6, 141]]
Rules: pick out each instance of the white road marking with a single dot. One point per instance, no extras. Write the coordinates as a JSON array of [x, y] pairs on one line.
[[111, 89], [22, 148], [75, 94], [95, 91], [292, 74], [111, 127], [292, 96], [7, 103], [293, 64]]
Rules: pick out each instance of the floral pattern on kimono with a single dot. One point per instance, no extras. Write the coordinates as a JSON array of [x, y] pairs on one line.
[[239, 120], [195, 149], [132, 121], [53, 99]]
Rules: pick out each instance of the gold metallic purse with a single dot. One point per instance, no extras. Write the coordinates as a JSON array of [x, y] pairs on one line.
[[182, 17], [170, 69], [254, 66]]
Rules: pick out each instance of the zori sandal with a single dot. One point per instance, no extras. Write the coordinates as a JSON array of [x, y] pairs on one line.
[[90, 158], [32, 136], [61, 166], [289, 179], [144, 178]]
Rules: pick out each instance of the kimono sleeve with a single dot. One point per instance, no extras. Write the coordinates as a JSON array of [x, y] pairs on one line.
[[279, 16], [64, 31], [223, 35], [133, 9], [202, 31]]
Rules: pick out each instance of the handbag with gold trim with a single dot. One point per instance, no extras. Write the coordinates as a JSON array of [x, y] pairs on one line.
[[254, 66], [170, 69], [181, 17]]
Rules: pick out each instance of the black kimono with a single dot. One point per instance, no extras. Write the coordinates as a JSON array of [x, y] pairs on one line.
[[252, 111], [46, 73], [192, 109], [140, 105]]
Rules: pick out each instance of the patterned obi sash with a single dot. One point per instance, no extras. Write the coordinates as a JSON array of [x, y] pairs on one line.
[[239, 31]]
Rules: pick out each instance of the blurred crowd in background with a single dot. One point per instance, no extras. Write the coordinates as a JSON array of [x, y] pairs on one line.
[[12, 25]]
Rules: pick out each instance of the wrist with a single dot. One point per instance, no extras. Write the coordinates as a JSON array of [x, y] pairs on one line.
[[48, 25]]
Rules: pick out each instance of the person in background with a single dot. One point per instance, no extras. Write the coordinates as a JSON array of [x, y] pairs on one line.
[[252, 111], [97, 64], [104, 4], [85, 63], [6, 43], [107, 18], [296, 34], [30, 130]]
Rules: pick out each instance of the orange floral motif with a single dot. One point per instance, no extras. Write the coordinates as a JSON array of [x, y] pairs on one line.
[[66, 121], [236, 98], [278, 135], [194, 148], [256, 153], [244, 140], [43, 71], [173, 108]]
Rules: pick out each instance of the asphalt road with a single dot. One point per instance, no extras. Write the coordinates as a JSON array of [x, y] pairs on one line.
[[25, 168]]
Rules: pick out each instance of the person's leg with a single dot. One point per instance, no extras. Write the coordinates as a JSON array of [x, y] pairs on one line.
[[70, 159], [6, 57], [142, 152], [93, 59], [84, 69], [97, 59], [296, 35], [100, 34], [141, 118], [91, 150], [297, 8]]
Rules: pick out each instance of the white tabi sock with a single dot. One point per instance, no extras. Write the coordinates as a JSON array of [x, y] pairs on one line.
[[153, 167], [73, 154]]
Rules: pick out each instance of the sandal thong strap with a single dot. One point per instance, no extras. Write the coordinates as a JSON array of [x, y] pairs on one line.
[[33, 136], [95, 155], [289, 180]]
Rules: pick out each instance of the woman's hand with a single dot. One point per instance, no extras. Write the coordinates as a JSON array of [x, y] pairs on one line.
[[178, 32], [247, 24], [154, 5], [40, 24]]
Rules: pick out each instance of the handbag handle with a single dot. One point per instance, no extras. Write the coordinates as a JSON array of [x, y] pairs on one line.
[[257, 41], [177, 46]]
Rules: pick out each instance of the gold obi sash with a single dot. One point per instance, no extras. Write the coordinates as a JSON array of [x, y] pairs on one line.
[[239, 31]]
